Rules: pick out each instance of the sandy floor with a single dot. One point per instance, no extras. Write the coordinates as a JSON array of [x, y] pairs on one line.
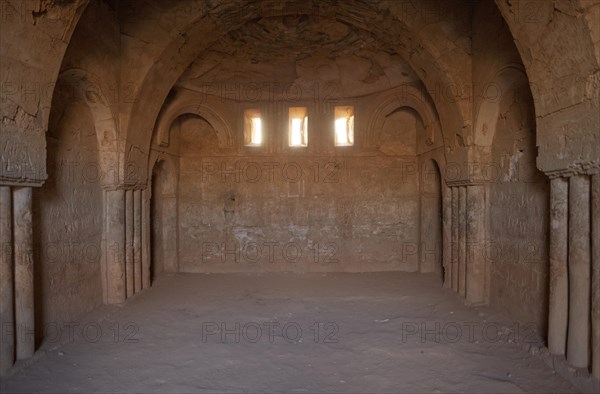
[[383, 332]]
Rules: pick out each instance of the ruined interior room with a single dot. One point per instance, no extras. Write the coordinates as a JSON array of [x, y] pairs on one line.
[[308, 196]]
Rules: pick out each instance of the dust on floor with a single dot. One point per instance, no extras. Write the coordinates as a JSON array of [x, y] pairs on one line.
[[296, 333]]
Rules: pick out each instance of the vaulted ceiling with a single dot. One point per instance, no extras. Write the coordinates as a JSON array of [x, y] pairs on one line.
[[301, 53]]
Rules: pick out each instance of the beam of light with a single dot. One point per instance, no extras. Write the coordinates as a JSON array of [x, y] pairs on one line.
[[296, 132], [341, 131], [256, 136]]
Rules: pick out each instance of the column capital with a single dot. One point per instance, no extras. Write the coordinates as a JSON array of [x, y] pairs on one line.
[[467, 182], [21, 182], [586, 168], [124, 187]]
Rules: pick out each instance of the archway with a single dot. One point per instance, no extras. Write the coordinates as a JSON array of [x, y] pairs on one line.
[[155, 64], [153, 87]]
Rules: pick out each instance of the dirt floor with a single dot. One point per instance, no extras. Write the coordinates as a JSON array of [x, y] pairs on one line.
[[358, 333]]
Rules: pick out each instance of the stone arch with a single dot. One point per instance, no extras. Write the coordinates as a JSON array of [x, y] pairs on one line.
[[84, 87], [34, 58], [565, 87], [536, 45], [178, 55], [407, 97], [194, 107], [507, 78]]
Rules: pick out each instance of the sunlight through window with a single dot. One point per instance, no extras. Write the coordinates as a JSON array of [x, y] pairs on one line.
[[256, 132], [298, 133], [344, 126], [253, 133]]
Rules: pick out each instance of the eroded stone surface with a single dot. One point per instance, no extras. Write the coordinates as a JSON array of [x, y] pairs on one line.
[[128, 118]]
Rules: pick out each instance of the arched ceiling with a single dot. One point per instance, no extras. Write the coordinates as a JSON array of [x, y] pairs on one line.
[[434, 42], [158, 40], [310, 53]]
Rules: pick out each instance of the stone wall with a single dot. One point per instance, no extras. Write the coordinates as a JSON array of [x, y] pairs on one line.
[[510, 84], [318, 208], [68, 216], [518, 217], [69, 207], [517, 194]]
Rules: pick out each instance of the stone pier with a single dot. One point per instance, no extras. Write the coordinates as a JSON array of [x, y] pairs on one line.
[[115, 246], [146, 238], [475, 233], [462, 240], [137, 240], [558, 255], [455, 227], [129, 226], [23, 257], [7, 340], [579, 271], [595, 315]]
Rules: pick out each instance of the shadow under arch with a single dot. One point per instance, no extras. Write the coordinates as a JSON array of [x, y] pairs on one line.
[[68, 207], [509, 77], [406, 98], [431, 220], [156, 84], [164, 217], [79, 85], [172, 112]]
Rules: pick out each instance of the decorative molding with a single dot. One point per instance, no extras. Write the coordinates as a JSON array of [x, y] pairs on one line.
[[404, 96], [21, 182], [587, 168], [194, 106]]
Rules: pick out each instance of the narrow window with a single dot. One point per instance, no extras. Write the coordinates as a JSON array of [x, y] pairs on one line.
[[344, 126], [252, 127], [298, 133]]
